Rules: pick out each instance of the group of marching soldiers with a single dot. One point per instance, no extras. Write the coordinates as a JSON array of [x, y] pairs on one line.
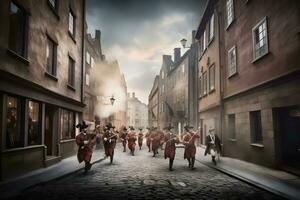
[[155, 139]]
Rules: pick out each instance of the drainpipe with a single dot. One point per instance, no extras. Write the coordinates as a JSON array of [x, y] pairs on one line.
[[83, 50]]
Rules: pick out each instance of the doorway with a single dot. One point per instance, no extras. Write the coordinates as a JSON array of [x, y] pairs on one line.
[[49, 115], [287, 126]]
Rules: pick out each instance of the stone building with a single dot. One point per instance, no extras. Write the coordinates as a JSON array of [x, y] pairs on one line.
[[209, 37], [41, 82], [137, 112], [153, 104], [262, 82], [93, 55]]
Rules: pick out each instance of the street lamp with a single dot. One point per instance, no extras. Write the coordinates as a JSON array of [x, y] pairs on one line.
[[183, 43], [112, 100]]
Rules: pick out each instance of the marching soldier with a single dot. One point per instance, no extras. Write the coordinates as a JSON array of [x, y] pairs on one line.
[[213, 144], [190, 148], [148, 138], [155, 142], [109, 140], [170, 139], [140, 138], [85, 142], [123, 137], [131, 137]]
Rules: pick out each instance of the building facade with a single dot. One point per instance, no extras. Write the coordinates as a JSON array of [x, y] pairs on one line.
[[93, 55], [153, 104], [209, 64], [41, 82], [137, 112], [261, 82]]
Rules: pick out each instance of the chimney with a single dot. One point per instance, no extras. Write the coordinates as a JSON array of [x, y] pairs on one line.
[[167, 62], [97, 35], [193, 36], [176, 55]]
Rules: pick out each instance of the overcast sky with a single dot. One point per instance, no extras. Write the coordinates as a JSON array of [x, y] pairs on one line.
[[138, 32]]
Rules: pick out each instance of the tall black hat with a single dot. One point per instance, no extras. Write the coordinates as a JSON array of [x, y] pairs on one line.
[[169, 127], [187, 127], [124, 129], [109, 126], [131, 128]]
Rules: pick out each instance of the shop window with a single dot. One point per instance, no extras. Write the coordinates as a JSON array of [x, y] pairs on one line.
[[255, 127], [67, 120], [14, 136], [34, 136]]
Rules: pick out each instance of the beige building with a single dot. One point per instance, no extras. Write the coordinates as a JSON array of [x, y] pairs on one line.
[[41, 82], [137, 112], [153, 104]]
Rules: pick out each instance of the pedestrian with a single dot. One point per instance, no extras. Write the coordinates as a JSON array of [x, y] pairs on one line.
[[123, 137], [148, 139], [85, 142], [170, 149], [98, 137], [109, 140], [155, 141], [140, 138], [131, 138], [213, 145], [190, 148]]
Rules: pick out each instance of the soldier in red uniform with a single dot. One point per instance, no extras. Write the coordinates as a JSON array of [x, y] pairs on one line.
[[190, 148], [85, 142], [123, 137], [131, 137], [140, 138], [170, 139], [109, 140], [155, 142], [148, 138]]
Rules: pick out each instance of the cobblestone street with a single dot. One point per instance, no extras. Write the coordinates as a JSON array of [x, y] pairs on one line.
[[144, 177]]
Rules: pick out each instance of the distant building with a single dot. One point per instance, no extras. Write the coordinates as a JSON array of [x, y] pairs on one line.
[[137, 112], [41, 82], [153, 104], [93, 55]]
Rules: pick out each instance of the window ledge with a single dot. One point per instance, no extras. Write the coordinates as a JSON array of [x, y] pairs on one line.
[[232, 75], [232, 140], [229, 25], [72, 36], [22, 148], [257, 145], [210, 41], [66, 140], [53, 10], [260, 57], [212, 90], [19, 57], [51, 76], [71, 87]]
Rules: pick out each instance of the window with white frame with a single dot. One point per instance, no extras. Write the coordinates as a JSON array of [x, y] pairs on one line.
[[229, 12], [211, 27], [182, 68], [87, 79], [232, 61], [72, 24], [204, 83], [162, 74], [92, 62], [260, 39], [211, 77], [88, 58], [204, 40]]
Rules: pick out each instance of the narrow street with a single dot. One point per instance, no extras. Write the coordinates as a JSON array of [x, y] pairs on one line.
[[145, 177]]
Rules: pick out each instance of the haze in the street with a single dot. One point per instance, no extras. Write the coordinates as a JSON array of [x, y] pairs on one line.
[[138, 32]]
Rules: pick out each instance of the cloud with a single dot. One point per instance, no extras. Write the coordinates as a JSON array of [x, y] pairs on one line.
[[137, 33]]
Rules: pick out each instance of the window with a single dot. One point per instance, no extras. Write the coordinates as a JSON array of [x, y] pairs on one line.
[[205, 83], [72, 23], [162, 74], [87, 79], [17, 30], [14, 136], [182, 67], [51, 57], [231, 61], [53, 4], [211, 27], [88, 58], [255, 127], [71, 79], [67, 121], [260, 39], [163, 89], [34, 136], [231, 126], [229, 12], [199, 86], [204, 40], [212, 78], [92, 62]]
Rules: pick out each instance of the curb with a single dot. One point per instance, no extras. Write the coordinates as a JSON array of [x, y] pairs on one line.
[[50, 180], [248, 181]]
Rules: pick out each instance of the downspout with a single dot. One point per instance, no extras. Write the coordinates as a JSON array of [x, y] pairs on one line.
[[83, 50]]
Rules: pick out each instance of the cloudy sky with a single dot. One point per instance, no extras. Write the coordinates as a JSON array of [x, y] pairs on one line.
[[138, 32]]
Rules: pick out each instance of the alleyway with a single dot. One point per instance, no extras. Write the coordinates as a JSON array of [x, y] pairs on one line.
[[145, 177]]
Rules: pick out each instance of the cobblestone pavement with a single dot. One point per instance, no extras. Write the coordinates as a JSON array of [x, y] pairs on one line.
[[144, 177]]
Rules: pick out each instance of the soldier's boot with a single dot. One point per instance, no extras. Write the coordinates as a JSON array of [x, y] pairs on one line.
[[111, 159], [154, 153], [193, 163], [214, 160], [190, 164], [86, 167], [171, 164], [149, 149]]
